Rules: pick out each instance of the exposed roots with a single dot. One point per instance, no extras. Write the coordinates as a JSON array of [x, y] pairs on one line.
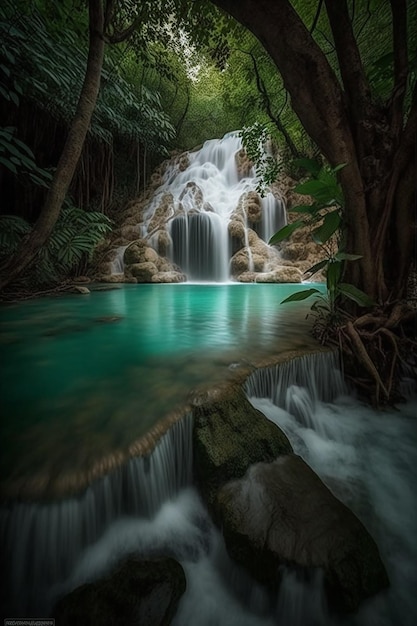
[[378, 350]]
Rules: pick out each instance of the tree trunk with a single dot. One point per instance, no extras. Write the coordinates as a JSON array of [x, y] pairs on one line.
[[348, 127], [67, 164]]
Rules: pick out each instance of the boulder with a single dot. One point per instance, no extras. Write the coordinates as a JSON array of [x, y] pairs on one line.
[[134, 252], [282, 513], [247, 277], [163, 241], [236, 229], [82, 290], [240, 262], [284, 274], [169, 277], [230, 435], [137, 592], [143, 272]]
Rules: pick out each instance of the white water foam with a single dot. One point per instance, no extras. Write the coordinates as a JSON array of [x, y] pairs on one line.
[[207, 192]]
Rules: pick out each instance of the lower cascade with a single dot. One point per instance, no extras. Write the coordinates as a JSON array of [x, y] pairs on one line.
[[150, 509]]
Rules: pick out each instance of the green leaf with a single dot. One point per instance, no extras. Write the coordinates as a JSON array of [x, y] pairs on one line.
[[330, 225], [311, 209], [300, 295], [285, 232], [317, 267], [334, 271], [355, 294], [344, 256]]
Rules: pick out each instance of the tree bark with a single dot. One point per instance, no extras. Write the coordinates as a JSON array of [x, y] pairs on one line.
[[67, 164], [318, 100]]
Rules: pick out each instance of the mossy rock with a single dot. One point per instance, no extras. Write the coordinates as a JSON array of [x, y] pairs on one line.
[[229, 436], [137, 592]]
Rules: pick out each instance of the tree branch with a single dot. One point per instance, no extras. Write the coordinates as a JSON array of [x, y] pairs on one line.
[[275, 119], [350, 62]]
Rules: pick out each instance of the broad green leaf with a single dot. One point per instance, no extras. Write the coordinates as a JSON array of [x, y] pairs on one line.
[[330, 225], [344, 256], [300, 295], [355, 294], [321, 191], [317, 267], [285, 232], [334, 270]]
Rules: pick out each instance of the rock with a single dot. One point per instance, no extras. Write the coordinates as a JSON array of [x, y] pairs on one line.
[[143, 272], [134, 252], [282, 513], [229, 435], [82, 290], [240, 262], [137, 592], [243, 163], [111, 278], [164, 210], [163, 241], [253, 206], [169, 277], [247, 277], [129, 232], [150, 255], [295, 252], [193, 195], [284, 274], [81, 279], [236, 229]]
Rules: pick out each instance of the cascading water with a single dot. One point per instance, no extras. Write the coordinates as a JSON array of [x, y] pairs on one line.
[[367, 459], [202, 200], [41, 543]]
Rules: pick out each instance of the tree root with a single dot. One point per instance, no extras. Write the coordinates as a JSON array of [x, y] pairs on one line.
[[364, 358], [377, 349]]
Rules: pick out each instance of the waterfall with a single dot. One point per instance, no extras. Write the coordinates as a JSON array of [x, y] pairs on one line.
[[42, 542], [368, 459], [117, 265], [195, 205], [318, 375]]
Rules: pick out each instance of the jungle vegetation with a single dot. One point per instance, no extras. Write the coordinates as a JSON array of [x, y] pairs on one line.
[[92, 94]]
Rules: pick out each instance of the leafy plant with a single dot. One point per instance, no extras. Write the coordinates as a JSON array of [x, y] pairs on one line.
[[75, 236], [254, 140], [324, 216], [18, 158]]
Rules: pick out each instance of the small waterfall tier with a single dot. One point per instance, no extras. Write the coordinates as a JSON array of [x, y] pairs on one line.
[[208, 219], [40, 543]]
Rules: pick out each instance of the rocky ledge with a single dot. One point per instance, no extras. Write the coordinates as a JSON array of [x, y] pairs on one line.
[[272, 507]]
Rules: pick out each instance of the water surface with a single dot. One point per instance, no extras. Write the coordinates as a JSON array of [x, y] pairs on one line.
[[84, 376]]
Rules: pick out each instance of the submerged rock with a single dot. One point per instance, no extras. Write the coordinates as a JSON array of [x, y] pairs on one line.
[[82, 290], [229, 436], [282, 513], [138, 592]]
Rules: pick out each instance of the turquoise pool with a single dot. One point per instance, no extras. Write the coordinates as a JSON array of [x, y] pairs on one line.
[[84, 376]]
